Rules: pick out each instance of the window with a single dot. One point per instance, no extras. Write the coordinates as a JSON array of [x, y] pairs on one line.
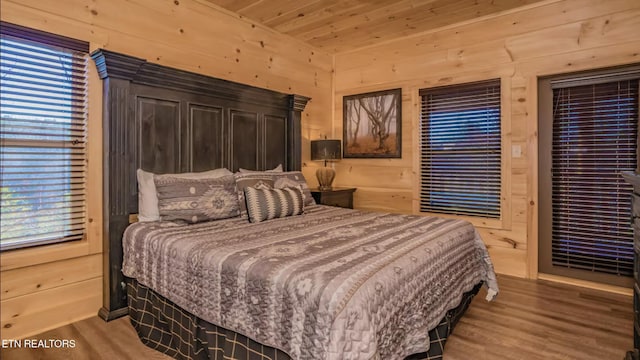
[[42, 137], [593, 137], [460, 149]]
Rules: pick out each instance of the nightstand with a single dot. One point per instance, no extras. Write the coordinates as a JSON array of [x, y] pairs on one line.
[[341, 197]]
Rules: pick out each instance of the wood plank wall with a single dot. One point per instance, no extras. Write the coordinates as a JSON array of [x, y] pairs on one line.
[[45, 287], [50, 286], [551, 37]]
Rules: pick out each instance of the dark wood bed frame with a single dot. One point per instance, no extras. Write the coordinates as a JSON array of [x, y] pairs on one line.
[[165, 120]]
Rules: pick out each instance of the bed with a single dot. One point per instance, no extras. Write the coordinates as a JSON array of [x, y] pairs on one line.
[[329, 283], [332, 283]]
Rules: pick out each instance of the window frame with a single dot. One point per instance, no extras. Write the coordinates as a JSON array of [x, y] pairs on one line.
[[504, 221], [55, 248]]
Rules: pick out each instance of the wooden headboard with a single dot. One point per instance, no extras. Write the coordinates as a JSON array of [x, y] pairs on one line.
[[165, 120]]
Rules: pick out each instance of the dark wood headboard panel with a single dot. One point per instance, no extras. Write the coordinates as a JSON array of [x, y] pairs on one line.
[[165, 120]]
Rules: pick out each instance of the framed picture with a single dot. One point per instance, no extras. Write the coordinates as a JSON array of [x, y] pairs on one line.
[[372, 125]]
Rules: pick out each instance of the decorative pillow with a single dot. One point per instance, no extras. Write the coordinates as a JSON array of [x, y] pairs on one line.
[[196, 200], [267, 204], [283, 182], [276, 169], [257, 180], [148, 199], [286, 178]]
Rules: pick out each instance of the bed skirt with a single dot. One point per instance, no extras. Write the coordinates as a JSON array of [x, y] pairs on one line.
[[165, 327]]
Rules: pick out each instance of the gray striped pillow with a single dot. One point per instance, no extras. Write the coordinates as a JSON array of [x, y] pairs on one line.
[[256, 180], [267, 204], [288, 177]]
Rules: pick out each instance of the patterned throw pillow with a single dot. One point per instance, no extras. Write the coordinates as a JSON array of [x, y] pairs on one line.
[[196, 200], [286, 178], [267, 204], [257, 180], [148, 198]]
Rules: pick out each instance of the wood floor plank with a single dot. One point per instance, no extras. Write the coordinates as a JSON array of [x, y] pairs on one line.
[[529, 320]]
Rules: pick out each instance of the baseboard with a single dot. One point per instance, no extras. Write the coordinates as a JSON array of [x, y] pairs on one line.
[[587, 284]]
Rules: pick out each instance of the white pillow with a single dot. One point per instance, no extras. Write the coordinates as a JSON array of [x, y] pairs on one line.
[[148, 199], [276, 169]]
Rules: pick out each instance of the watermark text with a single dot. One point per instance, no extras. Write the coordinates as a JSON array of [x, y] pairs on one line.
[[37, 343]]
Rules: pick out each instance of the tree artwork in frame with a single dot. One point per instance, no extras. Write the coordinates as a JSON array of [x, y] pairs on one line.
[[372, 125]]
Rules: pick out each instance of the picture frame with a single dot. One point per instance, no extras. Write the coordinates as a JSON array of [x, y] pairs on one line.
[[372, 125]]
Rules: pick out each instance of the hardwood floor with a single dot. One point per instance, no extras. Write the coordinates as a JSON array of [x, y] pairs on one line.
[[544, 320], [529, 320]]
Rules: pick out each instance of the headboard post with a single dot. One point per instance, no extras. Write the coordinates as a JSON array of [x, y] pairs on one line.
[[116, 71], [167, 120], [297, 103]]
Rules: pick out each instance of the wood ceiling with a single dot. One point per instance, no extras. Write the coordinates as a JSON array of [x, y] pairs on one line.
[[341, 25]]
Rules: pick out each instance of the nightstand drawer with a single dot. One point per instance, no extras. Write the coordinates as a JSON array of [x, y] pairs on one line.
[[341, 197], [337, 200]]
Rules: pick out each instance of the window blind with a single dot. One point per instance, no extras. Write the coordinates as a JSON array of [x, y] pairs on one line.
[[594, 139], [461, 149], [42, 137]]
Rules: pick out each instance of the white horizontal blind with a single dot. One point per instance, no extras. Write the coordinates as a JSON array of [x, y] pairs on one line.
[[461, 149], [594, 139], [42, 137]]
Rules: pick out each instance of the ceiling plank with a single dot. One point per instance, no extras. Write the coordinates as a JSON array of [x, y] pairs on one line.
[[409, 23], [266, 11], [382, 16], [325, 16], [336, 26]]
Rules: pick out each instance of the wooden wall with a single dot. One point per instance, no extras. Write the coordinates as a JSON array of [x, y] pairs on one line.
[[551, 37], [45, 287]]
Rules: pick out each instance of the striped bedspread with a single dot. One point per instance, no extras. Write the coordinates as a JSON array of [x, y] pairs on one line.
[[332, 283]]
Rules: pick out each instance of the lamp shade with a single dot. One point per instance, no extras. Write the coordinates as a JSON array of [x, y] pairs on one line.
[[325, 150]]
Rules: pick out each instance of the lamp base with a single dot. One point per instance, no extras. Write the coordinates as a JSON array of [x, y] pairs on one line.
[[325, 177]]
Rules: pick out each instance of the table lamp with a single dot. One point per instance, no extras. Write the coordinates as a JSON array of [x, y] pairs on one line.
[[327, 150]]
